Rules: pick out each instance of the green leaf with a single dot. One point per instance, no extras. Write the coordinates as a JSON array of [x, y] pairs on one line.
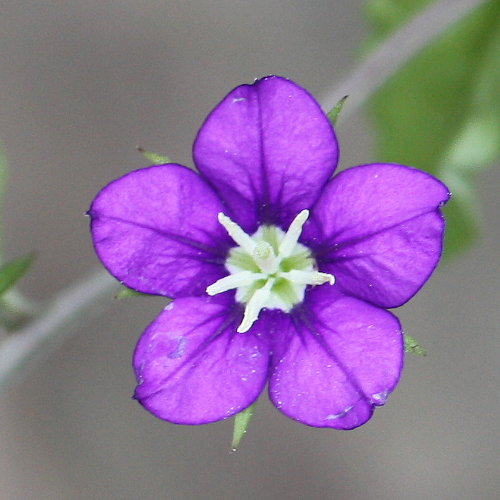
[[441, 111], [413, 347], [11, 272], [154, 158], [241, 421], [334, 113]]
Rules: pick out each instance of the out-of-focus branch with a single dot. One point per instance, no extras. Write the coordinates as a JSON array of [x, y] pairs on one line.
[[392, 54], [67, 310]]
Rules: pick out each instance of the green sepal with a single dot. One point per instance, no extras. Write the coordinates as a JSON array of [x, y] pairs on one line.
[[334, 113], [154, 158], [413, 347], [13, 271], [125, 293], [241, 421]]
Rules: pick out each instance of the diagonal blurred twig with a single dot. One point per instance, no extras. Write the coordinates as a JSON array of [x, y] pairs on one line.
[[30, 346], [393, 53]]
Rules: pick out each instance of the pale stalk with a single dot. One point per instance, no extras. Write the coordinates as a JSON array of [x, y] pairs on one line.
[[75, 305], [395, 52]]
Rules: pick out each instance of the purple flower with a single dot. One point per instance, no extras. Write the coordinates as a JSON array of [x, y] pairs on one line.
[[279, 274]]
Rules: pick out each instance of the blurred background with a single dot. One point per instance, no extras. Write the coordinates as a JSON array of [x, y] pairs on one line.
[[84, 82]]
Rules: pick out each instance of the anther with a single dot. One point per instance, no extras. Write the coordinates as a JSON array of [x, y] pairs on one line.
[[254, 305], [236, 233], [293, 234]]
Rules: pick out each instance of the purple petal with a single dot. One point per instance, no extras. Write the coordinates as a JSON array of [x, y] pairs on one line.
[[156, 230], [379, 230], [267, 149], [193, 368], [335, 359]]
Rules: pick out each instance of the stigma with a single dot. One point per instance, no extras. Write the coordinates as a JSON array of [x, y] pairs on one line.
[[268, 270]]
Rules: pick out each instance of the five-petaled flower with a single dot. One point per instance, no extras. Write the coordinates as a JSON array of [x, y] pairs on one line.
[[279, 273]]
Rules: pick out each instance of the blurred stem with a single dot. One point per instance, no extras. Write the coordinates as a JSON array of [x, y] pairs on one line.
[[34, 343], [71, 307], [398, 49]]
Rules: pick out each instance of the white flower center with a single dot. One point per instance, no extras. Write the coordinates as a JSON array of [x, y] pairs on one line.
[[269, 269]]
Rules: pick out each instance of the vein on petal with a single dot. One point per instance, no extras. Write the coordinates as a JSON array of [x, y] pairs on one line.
[[330, 247], [175, 237]]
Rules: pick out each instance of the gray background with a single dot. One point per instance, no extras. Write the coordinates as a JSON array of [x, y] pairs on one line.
[[82, 83]]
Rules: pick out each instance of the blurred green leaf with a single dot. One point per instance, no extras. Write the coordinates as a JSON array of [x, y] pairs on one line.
[[441, 111], [154, 158], [334, 113], [413, 347], [386, 16], [11, 272], [241, 421]]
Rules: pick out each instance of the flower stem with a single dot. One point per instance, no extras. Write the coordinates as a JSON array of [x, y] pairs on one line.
[[34, 343]]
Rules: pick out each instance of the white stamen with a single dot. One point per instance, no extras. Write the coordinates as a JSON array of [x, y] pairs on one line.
[[261, 260], [244, 278], [264, 257], [308, 277], [238, 235], [254, 305], [292, 235]]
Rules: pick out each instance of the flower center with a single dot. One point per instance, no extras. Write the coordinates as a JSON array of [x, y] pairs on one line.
[[269, 269]]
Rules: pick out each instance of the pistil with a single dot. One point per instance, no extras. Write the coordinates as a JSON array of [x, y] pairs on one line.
[[263, 256]]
